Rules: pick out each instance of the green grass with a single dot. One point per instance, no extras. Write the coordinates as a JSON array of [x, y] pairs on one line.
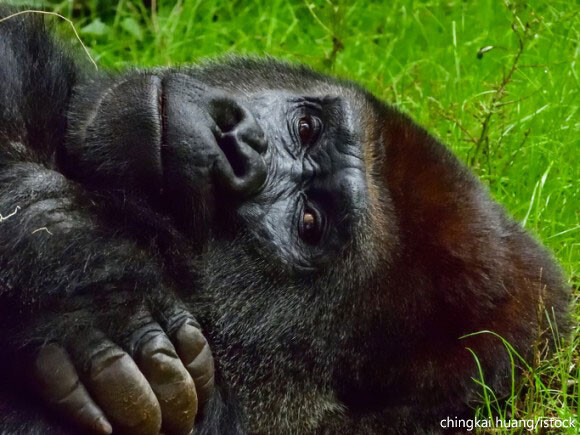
[[511, 113]]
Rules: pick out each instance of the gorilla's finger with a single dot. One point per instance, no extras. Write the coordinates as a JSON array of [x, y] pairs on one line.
[[120, 388], [192, 347], [168, 378], [194, 351], [57, 382]]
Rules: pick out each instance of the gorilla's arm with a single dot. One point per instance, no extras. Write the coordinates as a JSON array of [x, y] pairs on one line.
[[79, 280], [69, 279]]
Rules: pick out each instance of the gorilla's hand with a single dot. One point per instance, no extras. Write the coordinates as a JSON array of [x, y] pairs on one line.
[[153, 373]]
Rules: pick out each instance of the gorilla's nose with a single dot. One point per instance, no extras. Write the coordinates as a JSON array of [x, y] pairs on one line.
[[240, 169]]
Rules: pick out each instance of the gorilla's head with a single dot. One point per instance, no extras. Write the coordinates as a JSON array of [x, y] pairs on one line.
[[279, 169], [341, 247]]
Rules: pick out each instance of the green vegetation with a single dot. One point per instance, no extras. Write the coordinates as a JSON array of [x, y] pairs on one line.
[[496, 81]]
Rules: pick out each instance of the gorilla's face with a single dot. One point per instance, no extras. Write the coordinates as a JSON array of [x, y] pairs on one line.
[[314, 194], [286, 166]]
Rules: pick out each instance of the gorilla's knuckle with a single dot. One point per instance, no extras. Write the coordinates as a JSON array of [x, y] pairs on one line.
[[202, 365], [177, 317], [107, 360], [190, 342], [157, 347]]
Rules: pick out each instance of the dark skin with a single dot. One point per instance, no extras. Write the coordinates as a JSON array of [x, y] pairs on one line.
[[333, 252]]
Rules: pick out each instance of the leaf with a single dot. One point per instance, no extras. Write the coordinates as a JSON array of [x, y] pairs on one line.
[[96, 28], [132, 27]]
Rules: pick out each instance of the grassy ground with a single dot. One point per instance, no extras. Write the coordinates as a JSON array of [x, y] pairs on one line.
[[498, 82]]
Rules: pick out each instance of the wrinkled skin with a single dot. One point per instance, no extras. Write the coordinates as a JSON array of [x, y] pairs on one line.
[[332, 252]]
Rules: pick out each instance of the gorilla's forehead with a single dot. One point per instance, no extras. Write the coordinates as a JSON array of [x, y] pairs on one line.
[[256, 75]]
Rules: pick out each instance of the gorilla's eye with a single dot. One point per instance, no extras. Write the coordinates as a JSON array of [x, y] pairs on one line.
[[311, 225], [308, 129]]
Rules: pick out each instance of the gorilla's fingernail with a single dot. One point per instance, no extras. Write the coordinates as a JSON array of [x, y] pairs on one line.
[[103, 426]]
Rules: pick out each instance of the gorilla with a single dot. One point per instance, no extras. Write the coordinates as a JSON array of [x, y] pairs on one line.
[[336, 256]]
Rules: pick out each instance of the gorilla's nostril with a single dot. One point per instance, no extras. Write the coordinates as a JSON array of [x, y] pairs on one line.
[[230, 147], [231, 117], [240, 170], [227, 114]]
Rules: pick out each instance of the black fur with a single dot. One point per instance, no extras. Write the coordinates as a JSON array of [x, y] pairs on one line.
[[366, 342]]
